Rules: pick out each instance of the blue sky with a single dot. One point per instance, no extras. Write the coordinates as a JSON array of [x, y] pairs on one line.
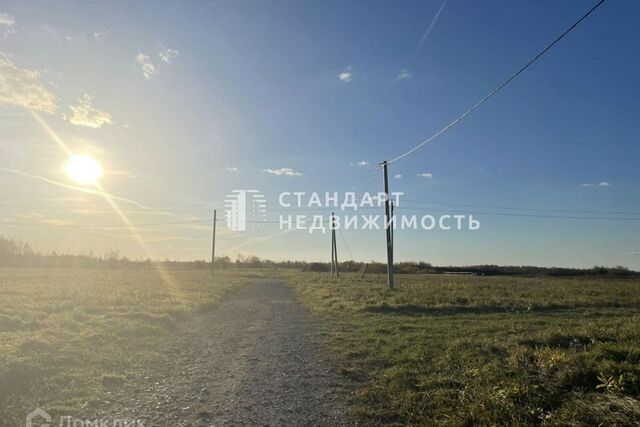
[[256, 86]]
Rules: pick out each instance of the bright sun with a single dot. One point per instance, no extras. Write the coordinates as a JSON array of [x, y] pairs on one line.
[[83, 169]]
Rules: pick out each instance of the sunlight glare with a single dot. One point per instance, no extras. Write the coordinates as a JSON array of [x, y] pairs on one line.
[[83, 169]]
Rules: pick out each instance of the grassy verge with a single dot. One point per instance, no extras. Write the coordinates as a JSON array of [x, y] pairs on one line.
[[68, 336], [481, 350]]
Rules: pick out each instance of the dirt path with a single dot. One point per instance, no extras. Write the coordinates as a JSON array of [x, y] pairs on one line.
[[252, 360]]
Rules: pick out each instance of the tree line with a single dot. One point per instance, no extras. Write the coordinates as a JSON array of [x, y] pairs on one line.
[[16, 253]]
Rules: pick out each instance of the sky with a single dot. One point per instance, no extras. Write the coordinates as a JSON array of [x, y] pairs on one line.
[[182, 103]]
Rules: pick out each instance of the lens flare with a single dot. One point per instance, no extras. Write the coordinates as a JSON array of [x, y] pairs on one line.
[[83, 170]]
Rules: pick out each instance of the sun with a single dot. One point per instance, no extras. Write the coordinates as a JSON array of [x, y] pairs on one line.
[[83, 170]]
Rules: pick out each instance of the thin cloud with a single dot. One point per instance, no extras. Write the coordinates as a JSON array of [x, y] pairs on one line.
[[398, 176], [347, 75], [7, 20], [282, 172], [360, 163], [91, 191], [428, 175], [85, 114], [231, 169], [101, 35], [23, 87], [432, 25], [599, 184], [73, 187], [633, 253], [39, 218], [149, 69], [49, 29], [166, 54], [404, 74]]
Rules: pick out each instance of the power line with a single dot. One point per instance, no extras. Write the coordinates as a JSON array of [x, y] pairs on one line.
[[345, 244], [151, 224], [101, 210], [153, 211], [141, 225], [466, 205], [371, 177], [501, 86], [526, 215], [411, 209]]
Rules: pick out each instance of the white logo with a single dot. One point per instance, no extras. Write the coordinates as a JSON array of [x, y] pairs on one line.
[[242, 206], [38, 413]]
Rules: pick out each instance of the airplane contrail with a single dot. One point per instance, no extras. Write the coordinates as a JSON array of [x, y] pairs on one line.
[[97, 192], [431, 25], [74, 187]]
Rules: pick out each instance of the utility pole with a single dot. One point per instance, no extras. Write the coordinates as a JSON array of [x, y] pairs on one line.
[[364, 271], [332, 254], [393, 206], [335, 244], [213, 242], [387, 217], [334, 248]]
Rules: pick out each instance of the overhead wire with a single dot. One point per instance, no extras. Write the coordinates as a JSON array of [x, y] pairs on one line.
[[345, 243], [467, 205], [500, 86], [530, 215]]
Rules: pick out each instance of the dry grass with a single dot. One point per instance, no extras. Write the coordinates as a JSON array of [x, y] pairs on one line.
[[68, 336], [483, 350]]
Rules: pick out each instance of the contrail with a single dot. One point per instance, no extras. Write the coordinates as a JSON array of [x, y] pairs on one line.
[[143, 208], [431, 25], [74, 187], [111, 200], [69, 153]]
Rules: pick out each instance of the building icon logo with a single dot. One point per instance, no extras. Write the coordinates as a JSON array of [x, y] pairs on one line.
[[38, 418], [244, 206]]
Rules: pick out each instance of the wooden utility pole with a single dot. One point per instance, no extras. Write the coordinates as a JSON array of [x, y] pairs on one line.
[[393, 206], [364, 271], [334, 248], [335, 243], [213, 242], [387, 217], [332, 254]]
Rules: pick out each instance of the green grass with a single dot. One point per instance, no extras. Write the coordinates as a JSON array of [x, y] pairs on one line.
[[452, 350], [69, 336]]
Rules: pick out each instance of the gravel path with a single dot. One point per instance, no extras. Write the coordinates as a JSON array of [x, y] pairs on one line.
[[252, 360]]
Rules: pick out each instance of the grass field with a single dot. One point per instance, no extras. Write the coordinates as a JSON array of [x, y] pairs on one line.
[[67, 337], [449, 350], [452, 350]]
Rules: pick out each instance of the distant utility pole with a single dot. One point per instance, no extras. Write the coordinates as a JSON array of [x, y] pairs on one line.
[[387, 218], [392, 228], [334, 248], [213, 242], [364, 271], [332, 252]]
